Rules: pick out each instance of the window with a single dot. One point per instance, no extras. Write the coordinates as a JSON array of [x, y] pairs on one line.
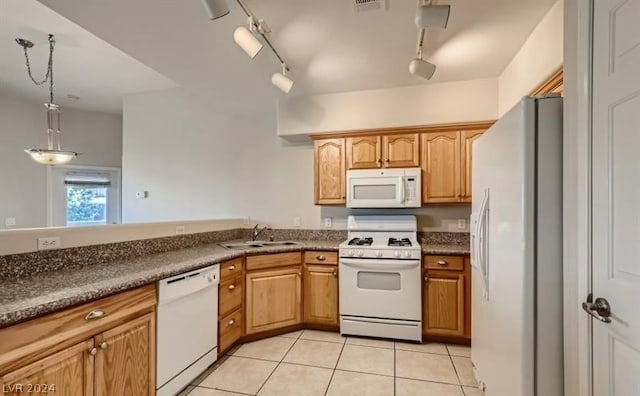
[[83, 196]]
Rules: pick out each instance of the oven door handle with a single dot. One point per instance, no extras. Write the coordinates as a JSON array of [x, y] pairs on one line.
[[380, 264]]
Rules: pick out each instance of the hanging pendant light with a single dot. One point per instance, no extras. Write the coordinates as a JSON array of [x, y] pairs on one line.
[[53, 154]]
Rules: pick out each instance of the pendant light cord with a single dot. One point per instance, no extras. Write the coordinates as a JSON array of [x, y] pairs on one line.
[[49, 75]]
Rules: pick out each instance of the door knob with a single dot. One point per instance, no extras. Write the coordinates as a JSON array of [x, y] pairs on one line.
[[600, 309]]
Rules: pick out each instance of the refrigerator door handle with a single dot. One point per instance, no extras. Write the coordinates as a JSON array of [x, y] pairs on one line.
[[481, 243]]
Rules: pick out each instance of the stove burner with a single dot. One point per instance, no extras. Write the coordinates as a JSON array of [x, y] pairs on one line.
[[361, 241], [399, 242]]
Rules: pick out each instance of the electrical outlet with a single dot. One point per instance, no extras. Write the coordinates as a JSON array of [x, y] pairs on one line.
[[462, 224], [328, 222], [245, 220], [297, 222], [49, 243], [180, 230], [9, 221], [142, 194]]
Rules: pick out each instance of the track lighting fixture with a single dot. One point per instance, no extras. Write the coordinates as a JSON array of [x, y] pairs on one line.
[[422, 68], [428, 15], [432, 16], [246, 38], [216, 8], [281, 80], [247, 41]]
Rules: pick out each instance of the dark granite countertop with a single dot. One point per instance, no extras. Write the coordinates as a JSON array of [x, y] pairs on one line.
[[445, 248], [27, 297]]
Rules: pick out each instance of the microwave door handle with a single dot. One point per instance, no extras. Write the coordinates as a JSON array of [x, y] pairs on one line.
[[403, 190]]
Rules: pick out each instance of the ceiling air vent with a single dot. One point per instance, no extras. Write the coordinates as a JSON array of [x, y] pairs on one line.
[[360, 6]]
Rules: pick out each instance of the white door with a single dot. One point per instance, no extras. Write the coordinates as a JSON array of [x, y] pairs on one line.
[[615, 196]]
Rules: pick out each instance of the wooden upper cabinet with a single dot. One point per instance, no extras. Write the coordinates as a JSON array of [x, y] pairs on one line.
[[69, 371], [441, 166], [363, 152], [125, 362], [401, 151], [329, 171], [466, 145]]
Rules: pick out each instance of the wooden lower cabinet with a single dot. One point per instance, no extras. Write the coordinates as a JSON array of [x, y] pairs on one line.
[[444, 299], [112, 354], [273, 299], [125, 362], [447, 297], [321, 294], [68, 372]]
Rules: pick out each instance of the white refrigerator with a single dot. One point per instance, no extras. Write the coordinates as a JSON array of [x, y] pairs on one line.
[[516, 247]]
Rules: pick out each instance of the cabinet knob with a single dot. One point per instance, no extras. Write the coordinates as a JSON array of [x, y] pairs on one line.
[[426, 278], [95, 314], [232, 267], [232, 322], [442, 262], [104, 345], [335, 272], [344, 197], [299, 273], [321, 258], [93, 351], [387, 160], [231, 287]]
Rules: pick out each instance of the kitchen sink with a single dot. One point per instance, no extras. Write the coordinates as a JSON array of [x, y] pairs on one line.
[[257, 244]]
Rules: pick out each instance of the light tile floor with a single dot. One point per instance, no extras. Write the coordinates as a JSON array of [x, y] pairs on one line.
[[318, 363]]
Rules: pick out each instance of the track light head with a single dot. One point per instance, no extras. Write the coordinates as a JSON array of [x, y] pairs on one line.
[[281, 81], [422, 68], [432, 16], [216, 8], [247, 41]]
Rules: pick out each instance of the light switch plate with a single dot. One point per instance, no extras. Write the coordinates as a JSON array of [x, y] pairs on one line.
[[180, 229], [297, 221], [462, 224], [328, 222], [9, 221]]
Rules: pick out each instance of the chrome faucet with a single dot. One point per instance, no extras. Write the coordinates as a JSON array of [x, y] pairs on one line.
[[255, 233]]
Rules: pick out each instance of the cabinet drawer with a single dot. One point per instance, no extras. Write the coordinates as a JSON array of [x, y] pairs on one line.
[[273, 260], [230, 269], [455, 263], [230, 296], [230, 330], [42, 336], [330, 258]]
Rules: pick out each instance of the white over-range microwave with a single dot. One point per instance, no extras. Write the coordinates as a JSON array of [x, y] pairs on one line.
[[384, 188]]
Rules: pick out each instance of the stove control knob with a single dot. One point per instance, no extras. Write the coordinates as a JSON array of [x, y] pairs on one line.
[[407, 254], [396, 254], [360, 253], [378, 253], [350, 252]]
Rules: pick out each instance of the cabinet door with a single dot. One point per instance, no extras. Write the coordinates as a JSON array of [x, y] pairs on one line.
[[441, 166], [273, 299], [321, 294], [444, 304], [125, 362], [363, 152], [466, 146], [401, 151], [329, 172], [68, 372]]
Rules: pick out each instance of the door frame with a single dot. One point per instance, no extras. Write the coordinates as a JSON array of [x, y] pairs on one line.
[[577, 144]]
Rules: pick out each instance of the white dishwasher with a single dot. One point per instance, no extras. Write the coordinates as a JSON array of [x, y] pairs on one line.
[[187, 334]]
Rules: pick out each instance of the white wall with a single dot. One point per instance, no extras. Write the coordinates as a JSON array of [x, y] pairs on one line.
[[98, 136], [182, 153], [427, 104], [540, 57]]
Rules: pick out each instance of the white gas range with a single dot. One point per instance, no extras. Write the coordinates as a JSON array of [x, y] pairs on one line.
[[380, 278]]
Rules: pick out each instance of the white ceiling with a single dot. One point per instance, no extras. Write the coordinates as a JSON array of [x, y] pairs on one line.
[[328, 48], [84, 65]]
